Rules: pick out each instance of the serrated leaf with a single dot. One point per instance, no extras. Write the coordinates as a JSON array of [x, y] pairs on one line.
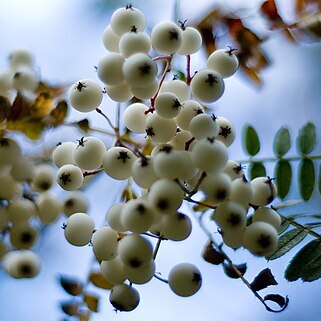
[[284, 226], [83, 125], [312, 271], [278, 299], [97, 279], [251, 141], [282, 142], [306, 178], [230, 272], [283, 177], [263, 280], [301, 261], [92, 302], [71, 285], [211, 255], [287, 241], [256, 169], [306, 140]]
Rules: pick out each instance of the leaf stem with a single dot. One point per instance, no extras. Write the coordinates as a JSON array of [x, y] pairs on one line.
[[99, 111], [160, 278], [308, 229], [159, 241]]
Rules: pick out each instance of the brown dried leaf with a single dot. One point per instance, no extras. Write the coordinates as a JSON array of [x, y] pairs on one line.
[[19, 109], [91, 302], [211, 255], [270, 11], [83, 125], [5, 106], [70, 307], [97, 279], [263, 280], [208, 38], [230, 272], [59, 113], [71, 285]]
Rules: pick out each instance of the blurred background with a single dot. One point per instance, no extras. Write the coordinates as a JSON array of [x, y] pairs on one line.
[[65, 37]]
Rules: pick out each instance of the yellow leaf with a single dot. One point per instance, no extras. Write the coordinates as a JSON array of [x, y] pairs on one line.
[[58, 114], [97, 279], [91, 302], [42, 106], [32, 129], [127, 138], [147, 149], [54, 90]]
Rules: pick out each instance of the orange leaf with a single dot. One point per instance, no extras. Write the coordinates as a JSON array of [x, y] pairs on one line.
[[269, 9]]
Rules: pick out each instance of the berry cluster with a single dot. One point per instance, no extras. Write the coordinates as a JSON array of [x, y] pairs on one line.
[[21, 75], [27, 204], [190, 156]]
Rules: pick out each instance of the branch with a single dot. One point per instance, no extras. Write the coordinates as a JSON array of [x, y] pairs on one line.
[[230, 262]]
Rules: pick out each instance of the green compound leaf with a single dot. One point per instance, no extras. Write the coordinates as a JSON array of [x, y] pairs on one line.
[[306, 264], [306, 139], [306, 178], [251, 141], [287, 241], [283, 177], [319, 179], [256, 169], [282, 142]]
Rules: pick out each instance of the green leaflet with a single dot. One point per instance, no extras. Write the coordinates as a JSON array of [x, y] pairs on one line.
[[306, 178], [306, 264], [306, 139], [287, 241], [256, 169], [251, 141], [284, 226], [282, 142], [283, 177], [319, 179]]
